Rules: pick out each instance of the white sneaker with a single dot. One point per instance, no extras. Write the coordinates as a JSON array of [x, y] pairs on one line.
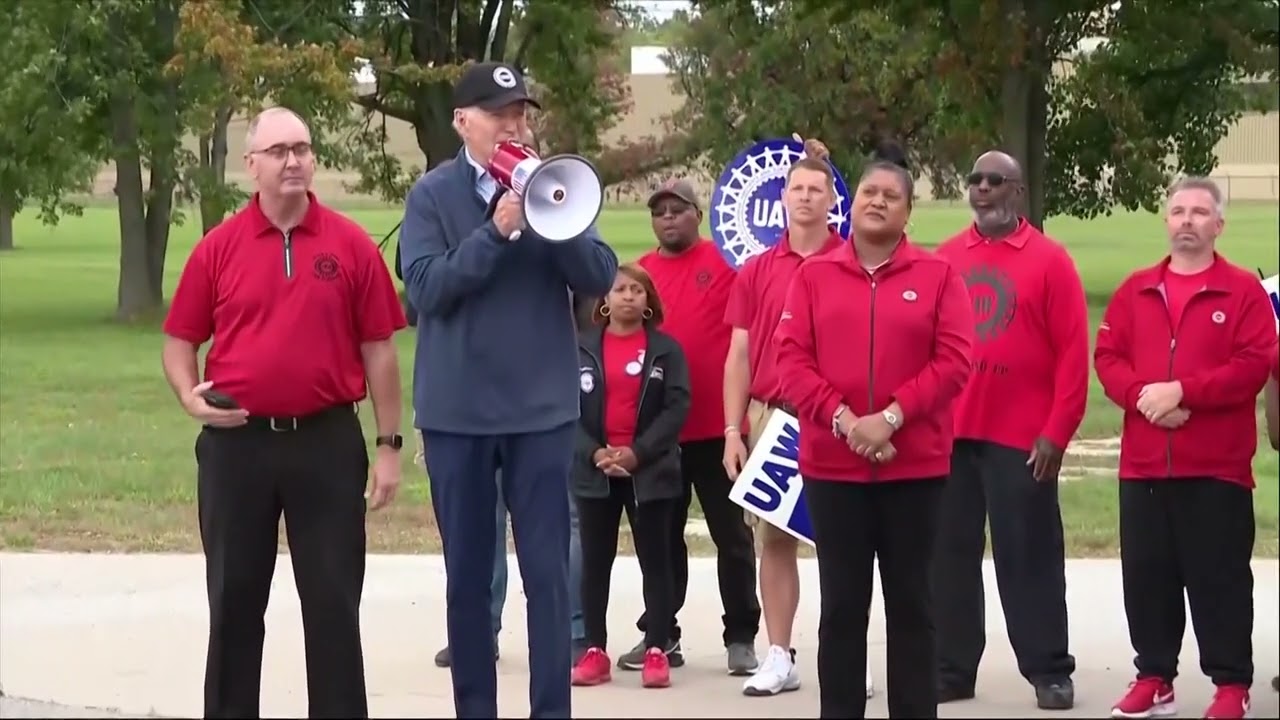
[[776, 674], [871, 688]]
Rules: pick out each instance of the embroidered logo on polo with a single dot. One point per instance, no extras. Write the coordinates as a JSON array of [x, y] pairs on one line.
[[747, 216], [325, 266], [995, 300]]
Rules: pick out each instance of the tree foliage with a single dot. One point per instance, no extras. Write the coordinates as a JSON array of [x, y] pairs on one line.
[[1094, 130], [43, 151], [572, 52]]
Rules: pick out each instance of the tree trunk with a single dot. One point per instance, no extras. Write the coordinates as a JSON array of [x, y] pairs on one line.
[[213, 170], [162, 157], [1024, 100], [437, 139], [135, 297], [7, 210]]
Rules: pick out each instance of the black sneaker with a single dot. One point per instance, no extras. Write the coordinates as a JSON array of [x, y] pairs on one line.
[[954, 693], [633, 659], [443, 659], [1057, 695]]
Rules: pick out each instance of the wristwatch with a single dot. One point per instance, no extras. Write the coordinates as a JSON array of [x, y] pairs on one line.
[[894, 421], [395, 442]]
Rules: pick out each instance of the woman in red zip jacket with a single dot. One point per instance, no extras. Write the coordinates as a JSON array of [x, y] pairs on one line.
[[873, 346], [634, 398]]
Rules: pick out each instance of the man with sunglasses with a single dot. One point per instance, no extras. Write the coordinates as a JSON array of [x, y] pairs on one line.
[[1023, 403]]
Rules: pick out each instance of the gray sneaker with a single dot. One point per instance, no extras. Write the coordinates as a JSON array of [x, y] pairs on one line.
[[633, 659], [742, 659]]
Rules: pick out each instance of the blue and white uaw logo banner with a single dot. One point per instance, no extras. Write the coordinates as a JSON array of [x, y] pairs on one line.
[[747, 217], [769, 485]]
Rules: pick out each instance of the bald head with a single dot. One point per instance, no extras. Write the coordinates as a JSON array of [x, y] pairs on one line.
[[272, 117], [278, 153], [995, 193], [998, 161]]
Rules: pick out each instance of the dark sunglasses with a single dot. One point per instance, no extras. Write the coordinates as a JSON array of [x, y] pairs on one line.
[[672, 207], [993, 179]]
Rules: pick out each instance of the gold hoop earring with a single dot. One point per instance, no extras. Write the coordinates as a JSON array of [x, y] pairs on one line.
[[604, 311], [647, 314]]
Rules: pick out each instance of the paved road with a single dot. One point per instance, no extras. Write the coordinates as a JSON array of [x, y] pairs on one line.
[[128, 632]]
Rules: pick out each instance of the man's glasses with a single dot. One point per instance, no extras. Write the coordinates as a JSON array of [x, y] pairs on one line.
[[993, 179], [301, 150]]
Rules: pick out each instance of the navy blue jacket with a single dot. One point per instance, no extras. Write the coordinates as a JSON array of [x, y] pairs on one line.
[[496, 351]]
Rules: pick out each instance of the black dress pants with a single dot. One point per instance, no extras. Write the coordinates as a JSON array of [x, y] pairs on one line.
[[1192, 535], [701, 463], [853, 525], [991, 482], [316, 476], [598, 523]]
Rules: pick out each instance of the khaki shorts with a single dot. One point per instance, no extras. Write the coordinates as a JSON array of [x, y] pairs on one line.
[[758, 415]]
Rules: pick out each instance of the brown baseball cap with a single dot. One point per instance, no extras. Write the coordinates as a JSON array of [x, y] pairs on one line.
[[676, 188]]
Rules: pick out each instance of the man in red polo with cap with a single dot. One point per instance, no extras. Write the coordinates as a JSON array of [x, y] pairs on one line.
[[301, 310], [694, 283]]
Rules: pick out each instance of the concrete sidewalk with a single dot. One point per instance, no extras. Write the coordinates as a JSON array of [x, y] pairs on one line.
[[129, 632]]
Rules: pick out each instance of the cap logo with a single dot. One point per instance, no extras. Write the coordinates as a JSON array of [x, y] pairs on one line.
[[747, 217], [504, 77]]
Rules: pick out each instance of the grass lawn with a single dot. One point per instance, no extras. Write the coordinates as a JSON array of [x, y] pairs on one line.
[[96, 455]]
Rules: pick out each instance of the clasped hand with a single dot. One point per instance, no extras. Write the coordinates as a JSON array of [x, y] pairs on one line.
[[1159, 404], [615, 461], [868, 436]]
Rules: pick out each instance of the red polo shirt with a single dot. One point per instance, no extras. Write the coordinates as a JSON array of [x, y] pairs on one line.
[[755, 305], [287, 312], [694, 287]]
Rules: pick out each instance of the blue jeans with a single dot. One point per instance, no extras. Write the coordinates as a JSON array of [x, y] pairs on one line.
[[499, 585]]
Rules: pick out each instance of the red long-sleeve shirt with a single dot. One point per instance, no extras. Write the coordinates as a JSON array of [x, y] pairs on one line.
[[1031, 339]]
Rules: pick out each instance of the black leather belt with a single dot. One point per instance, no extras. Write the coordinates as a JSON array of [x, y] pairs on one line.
[[787, 408], [290, 424]]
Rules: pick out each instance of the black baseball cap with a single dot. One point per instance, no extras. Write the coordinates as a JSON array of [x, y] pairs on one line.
[[490, 86]]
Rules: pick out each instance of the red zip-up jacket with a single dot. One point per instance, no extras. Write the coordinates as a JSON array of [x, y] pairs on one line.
[[903, 333], [1220, 352]]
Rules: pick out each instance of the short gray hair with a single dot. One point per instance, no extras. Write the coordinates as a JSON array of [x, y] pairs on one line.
[[257, 119], [1197, 183]]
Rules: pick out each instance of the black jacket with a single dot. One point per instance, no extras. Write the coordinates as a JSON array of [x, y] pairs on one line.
[[664, 404]]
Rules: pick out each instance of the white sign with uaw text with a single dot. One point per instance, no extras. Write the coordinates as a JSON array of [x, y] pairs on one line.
[[1272, 286], [769, 485]]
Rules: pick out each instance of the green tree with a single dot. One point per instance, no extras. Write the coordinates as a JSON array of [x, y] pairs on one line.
[[236, 56], [44, 155], [138, 76], [573, 53], [1094, 130]]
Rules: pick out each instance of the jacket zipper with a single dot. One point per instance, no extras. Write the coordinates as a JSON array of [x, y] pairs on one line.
[[288, 254], [1173, 347], [871, 364]]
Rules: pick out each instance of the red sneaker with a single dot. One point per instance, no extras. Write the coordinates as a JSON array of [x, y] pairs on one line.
[[1229, 703], [593, 668], [657, 669], [1147, 697]]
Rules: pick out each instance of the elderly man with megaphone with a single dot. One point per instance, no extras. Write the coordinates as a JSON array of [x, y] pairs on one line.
[[492, 252]]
